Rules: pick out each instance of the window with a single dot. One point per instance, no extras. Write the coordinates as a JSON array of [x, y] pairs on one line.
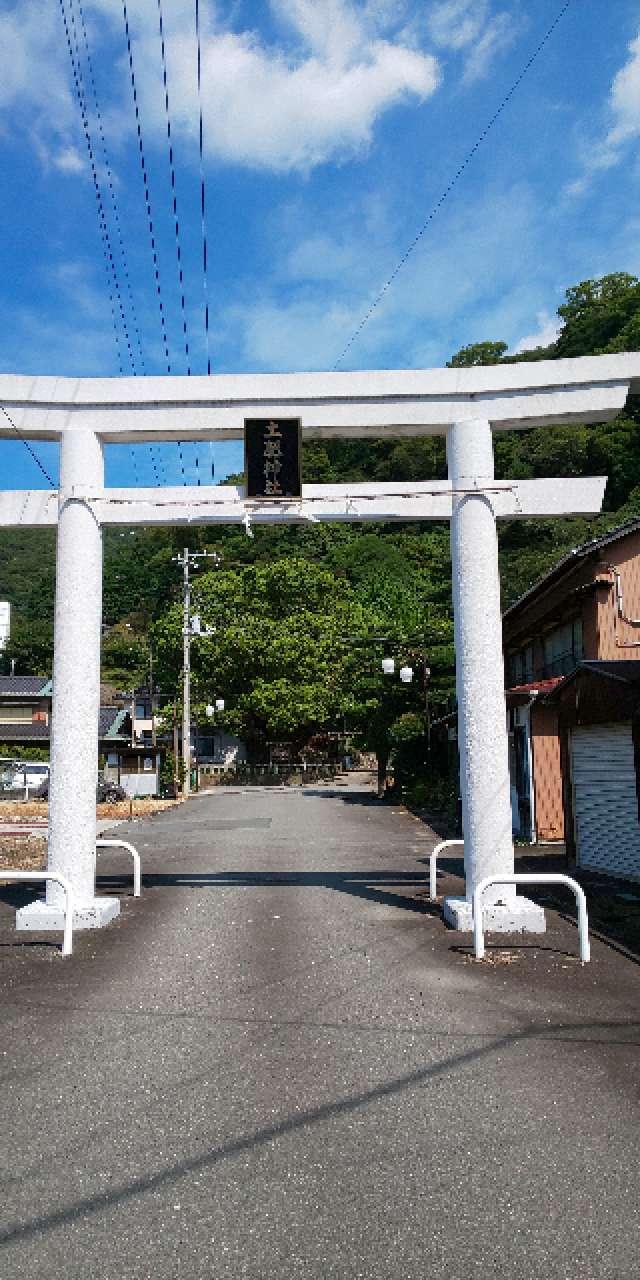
[[16, 714], [563, 648], [520, 666]]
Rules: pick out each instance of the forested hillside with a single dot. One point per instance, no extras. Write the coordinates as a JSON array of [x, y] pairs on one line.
[[283, 602]]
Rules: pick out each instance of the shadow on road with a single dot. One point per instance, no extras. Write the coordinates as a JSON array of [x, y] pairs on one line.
[[172, 1173], [349, 797], [373, 886]]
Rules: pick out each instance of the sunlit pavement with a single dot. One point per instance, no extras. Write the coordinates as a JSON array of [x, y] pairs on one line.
[[279, 1063]]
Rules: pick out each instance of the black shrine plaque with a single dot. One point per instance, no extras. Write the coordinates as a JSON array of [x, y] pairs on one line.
[[273, 458]]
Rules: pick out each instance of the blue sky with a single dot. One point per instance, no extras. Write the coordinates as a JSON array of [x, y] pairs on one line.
[[331, 128]]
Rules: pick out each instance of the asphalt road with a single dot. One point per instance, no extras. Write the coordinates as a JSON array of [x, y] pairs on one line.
[[279, 1063]]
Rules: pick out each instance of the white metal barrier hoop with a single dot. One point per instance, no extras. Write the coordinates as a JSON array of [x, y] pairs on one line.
[[124, 844], [433, 864], [67, 937], [531, 878]]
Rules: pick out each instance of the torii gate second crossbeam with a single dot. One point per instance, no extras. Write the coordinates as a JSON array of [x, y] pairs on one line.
[[463, 404]]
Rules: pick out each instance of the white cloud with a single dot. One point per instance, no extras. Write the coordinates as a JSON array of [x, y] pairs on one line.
[[311, 99], [34, 88], [37, 93], [623, 112], [625, 99], [547, 332], [320, 257], [313, 94], [465, 285], [470, 27], [68, 160], [495, 39]]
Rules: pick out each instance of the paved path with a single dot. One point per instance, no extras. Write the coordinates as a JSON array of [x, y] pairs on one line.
[[278, 1064]]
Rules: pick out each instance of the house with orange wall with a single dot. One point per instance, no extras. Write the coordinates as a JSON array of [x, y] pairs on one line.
[[584, 615]]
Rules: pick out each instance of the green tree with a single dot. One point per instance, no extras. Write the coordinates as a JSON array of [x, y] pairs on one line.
[[477, 353], [30, 647], [600, 315]]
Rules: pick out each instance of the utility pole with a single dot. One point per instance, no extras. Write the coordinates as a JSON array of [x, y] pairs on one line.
[[188, 560]]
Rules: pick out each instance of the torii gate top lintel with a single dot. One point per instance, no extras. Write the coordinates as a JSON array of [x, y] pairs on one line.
[[384, 402]]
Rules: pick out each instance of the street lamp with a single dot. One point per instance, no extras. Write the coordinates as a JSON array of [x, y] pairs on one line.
[[405, 673]]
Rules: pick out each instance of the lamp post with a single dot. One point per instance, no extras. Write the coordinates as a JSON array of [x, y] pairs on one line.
[[406, 674]]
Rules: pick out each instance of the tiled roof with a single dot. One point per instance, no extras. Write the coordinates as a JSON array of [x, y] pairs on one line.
[[111, 727], [111, 723], [624, 670], [38, 731], [24, 685], [536, 686]]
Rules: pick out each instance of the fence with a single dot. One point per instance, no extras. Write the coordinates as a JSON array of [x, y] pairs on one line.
[[264, 775]]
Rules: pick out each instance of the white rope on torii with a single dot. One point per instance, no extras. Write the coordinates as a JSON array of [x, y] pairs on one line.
[[466, 405]]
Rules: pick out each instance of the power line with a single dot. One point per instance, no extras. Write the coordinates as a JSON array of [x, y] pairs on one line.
[[176, 222], [203, 219], [174, 193], [147, 194], [147, 198], [72, 37], [203, 216], [456, 177], [76, 64], [102, 222], [27, 446], [114, 202], [111, 186]]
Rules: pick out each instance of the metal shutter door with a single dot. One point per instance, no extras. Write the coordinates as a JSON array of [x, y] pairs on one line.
[[605, 799]]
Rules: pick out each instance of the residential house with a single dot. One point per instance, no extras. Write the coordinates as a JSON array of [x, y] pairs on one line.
[[25, 721], [571, 644], [25, 712]]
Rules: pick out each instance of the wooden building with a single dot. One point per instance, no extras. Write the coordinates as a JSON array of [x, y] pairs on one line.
[[582, 617]]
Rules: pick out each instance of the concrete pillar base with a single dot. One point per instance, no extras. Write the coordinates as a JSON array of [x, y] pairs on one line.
[[521, 915], [40, 916]]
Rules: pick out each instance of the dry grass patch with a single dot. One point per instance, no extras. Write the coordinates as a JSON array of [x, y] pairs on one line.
[[142, 807], [38, 810], [22, 853]]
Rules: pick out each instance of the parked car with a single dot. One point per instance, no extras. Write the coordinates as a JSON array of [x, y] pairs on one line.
[[107, 792], [19, 774]]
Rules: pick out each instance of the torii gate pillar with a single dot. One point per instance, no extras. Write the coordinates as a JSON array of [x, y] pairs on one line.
[[482, 726], [76, 693]]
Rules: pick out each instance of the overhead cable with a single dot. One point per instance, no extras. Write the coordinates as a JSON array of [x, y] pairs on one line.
[[203, 218], [27, 446], [147, 198], [203, 215], [174, 192], [111, 186], [455, 179], [112, 275], [147, 194], [114, 204]]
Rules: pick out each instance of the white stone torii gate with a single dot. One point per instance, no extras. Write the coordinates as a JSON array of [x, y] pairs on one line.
[[463, 404]]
